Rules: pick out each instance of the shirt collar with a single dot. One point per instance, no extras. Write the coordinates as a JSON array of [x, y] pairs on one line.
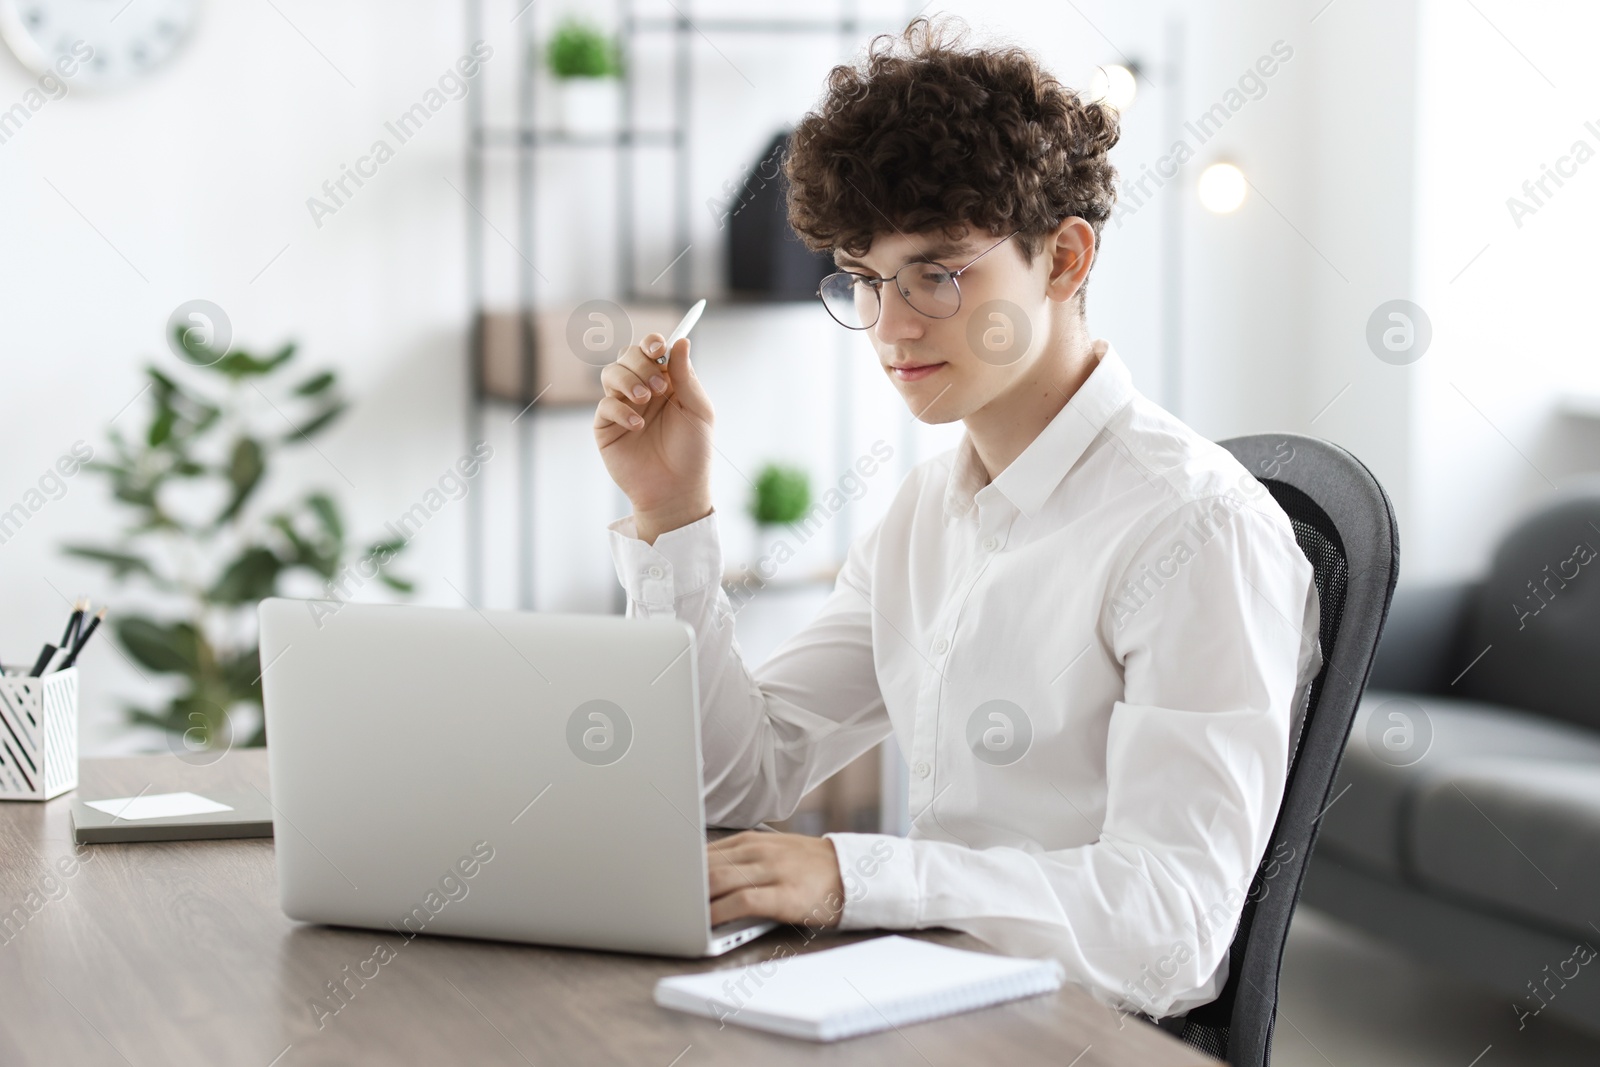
[[1035, 474]]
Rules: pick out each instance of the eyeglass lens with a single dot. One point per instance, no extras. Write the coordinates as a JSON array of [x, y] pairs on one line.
[[855, 301]]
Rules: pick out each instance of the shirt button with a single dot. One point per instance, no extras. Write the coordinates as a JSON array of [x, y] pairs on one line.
[[923, 770], [656, 572], [941, 646], [990, 544]]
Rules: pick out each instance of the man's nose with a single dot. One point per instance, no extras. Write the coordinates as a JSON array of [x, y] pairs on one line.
[[897, 320]]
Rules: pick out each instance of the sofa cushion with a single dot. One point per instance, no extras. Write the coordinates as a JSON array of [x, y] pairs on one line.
[[1520, 836], [1366, 822], [1420, 650], [1535, 617]]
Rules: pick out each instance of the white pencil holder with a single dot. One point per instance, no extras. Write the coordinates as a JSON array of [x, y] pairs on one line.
[[38, 735]]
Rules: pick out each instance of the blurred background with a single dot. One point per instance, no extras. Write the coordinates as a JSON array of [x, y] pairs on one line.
[[304, 285]]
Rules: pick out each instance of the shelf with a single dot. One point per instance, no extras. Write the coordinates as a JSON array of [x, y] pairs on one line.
[[736, 577], [515, 356], [522, 356], [515, 137], [838, 24], [1580, 405]]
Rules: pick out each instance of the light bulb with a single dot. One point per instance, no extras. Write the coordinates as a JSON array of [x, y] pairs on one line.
[[1113, 84], [1222, 188]]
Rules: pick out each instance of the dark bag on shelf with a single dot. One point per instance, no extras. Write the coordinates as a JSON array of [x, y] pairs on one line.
[[766, 258]]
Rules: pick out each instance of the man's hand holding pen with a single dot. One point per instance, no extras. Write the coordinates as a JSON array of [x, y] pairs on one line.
[[653, 428]]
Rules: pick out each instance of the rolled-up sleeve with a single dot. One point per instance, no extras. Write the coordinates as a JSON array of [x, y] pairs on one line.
[[767, 737], [1214, 664]]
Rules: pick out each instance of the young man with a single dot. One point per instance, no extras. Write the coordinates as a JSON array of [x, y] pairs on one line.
[[1090, 629]]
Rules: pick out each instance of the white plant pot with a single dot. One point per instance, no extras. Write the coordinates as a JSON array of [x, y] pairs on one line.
[[587, 105], [767, 547]]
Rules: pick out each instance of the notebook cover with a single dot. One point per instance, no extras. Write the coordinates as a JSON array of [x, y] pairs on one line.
[[251, 817], [860, 988]]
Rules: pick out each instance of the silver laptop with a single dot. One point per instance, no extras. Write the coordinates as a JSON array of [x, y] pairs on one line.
[[495, 774]]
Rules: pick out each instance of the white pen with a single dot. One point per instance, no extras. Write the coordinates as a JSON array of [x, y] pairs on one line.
[[680, 331]]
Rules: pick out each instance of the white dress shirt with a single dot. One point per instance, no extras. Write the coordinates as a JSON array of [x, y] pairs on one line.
[[1095, 665]]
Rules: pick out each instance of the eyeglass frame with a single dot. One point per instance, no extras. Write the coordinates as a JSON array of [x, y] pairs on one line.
[[878, 283]]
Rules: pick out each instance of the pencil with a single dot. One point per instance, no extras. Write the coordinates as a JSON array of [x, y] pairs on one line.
[[83, 639], [74, 621], [43, 661]]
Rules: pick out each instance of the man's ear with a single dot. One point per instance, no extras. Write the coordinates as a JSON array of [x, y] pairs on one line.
[[1070, 250]]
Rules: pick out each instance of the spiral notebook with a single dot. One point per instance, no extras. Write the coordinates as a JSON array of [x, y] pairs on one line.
[[857, 989]]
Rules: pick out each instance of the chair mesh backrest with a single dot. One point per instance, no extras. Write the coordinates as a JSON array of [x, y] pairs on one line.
[[1211, 1028], [1319, 540]]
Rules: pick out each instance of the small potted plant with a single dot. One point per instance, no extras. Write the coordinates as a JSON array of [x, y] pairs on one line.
[[782, 497], [586, 63]]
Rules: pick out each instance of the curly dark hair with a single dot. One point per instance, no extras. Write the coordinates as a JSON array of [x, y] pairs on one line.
[[945, 138]]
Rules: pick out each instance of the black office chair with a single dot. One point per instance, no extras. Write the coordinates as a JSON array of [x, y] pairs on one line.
[[1344, 524]]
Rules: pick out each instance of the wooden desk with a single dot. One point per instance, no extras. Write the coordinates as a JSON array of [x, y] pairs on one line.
[[177, 953]]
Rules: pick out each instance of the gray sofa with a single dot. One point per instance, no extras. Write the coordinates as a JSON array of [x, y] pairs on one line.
[[1465, 820]]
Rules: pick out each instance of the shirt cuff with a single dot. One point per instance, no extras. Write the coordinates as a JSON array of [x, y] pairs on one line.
[[681, 561], [879, 875]]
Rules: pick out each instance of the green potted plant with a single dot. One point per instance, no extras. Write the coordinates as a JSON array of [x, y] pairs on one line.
[[781, 498], [197, 536], [585, 62]]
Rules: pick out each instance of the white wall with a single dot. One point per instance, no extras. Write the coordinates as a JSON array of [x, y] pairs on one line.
[[1513, 331], [1357, 210], [1422, 120]]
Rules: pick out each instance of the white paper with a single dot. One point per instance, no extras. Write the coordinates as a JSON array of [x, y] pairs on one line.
[[157, 805], [870, 985]]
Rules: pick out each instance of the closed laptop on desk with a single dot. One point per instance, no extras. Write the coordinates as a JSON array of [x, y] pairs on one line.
[[498, 774]]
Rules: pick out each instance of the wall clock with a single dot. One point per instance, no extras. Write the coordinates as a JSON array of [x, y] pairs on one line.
[[104, 44]]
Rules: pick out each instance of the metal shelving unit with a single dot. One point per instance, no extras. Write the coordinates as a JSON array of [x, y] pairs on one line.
[[525, 142]]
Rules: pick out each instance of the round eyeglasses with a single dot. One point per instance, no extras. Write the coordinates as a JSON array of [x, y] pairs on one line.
[[856, 300]]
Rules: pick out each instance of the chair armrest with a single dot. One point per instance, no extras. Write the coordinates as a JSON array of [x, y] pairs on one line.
[[1421, 636]]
